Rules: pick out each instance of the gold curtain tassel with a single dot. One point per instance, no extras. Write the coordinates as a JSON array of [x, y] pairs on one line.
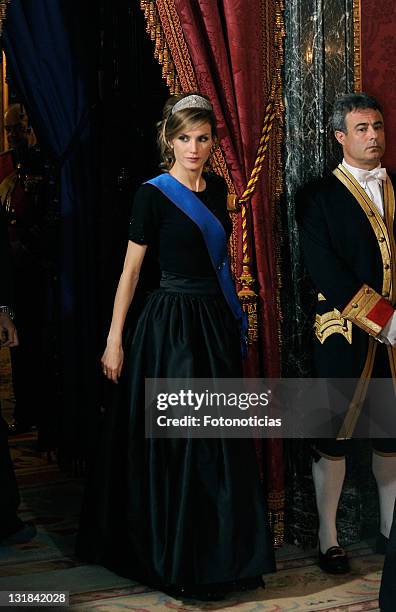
[[232, 202], [248, 298], [276, 504], [161, 49]]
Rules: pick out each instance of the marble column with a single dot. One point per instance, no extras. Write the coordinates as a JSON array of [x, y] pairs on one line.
[[318, 67]]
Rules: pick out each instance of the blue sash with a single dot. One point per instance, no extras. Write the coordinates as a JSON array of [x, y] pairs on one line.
[[215, 240]]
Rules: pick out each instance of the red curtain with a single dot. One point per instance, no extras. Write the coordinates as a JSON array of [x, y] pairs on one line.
[[230, 55], [378, 56], [229, 50]]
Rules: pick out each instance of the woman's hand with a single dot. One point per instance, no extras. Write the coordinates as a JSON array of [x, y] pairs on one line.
[[112, 360]]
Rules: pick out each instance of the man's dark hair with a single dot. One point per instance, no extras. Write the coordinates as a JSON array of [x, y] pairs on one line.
[[349, 102]]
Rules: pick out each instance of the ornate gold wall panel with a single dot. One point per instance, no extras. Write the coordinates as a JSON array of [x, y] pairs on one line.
[[357, 45]]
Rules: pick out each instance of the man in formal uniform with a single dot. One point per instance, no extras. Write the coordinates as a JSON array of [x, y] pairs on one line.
[[346, 223]]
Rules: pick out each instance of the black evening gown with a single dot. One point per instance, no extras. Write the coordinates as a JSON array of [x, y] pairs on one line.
[[182, 514]]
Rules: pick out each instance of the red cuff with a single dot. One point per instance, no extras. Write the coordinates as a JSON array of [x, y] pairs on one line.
[[381, 313]]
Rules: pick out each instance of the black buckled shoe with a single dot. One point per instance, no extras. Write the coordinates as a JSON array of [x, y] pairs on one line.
[[334, 561]]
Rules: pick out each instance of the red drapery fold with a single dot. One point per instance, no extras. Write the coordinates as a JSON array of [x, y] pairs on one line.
[[229, 50], [378, 62]]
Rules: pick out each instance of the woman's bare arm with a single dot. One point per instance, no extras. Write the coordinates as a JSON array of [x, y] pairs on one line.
[[113, 357]]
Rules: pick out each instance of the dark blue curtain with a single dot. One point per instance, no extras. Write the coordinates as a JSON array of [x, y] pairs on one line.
[[49, 47]]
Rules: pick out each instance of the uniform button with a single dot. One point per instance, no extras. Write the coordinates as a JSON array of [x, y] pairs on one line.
[[354, 305], [381, 239], [370, 213], [386, 266], [385, 294]]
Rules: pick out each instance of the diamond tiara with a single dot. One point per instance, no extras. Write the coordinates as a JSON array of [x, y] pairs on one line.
[[192, 101]]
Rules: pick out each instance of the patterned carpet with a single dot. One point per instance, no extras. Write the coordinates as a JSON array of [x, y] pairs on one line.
[[52, 500]]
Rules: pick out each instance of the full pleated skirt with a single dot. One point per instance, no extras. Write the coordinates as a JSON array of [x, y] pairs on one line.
[[193, 512]]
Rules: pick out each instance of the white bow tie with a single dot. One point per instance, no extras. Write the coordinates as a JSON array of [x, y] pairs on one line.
[[378, 174]]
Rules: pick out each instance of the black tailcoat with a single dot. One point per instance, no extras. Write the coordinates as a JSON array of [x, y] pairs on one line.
[[341, 253]]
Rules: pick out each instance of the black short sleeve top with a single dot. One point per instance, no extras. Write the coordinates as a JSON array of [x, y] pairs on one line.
[[178, 242]]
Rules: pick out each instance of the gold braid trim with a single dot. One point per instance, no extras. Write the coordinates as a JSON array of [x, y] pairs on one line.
[[219, 166], [233, 245], [276, 516], [3, 12], [278, 175], [173, 34], [161, 48], [357, 45]]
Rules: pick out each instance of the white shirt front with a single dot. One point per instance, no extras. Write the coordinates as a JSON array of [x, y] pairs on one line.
[[373, 188]]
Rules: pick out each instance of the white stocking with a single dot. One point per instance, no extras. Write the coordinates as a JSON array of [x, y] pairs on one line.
[[328, 477], [384, 470]]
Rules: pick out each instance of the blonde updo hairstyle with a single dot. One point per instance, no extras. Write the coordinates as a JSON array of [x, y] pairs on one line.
[[180, 121]]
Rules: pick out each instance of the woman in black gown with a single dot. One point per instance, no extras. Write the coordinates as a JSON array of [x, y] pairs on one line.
[[192, 517]]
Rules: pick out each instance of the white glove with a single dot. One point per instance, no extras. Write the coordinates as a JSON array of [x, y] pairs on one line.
[[388, 333]]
